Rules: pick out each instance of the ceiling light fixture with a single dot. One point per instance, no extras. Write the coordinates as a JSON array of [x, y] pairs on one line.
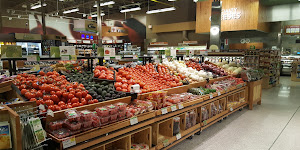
[[161, 10], [130, 9], [95, 15], [37, 6], [71, 11], [105, 3]]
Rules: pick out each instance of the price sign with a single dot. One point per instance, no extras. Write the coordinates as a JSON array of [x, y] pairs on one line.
[[65, 57], [231, 109], [173, 108], [118, 57], [32, 58], [154, 56], [163, 56], [50, 113], [166, 143], [135, 56], [69, 142], [133, 120], [205, 122], [42, 107], [180, 106], [106, 57], [178, 136], [219, 93], [211, 96], [164, 111]]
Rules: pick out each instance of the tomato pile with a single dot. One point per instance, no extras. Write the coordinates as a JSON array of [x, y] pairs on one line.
[[53, 90], [194, 65], [102, 72], [147, 77]]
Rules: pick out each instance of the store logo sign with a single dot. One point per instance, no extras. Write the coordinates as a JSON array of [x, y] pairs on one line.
[[230, 14]]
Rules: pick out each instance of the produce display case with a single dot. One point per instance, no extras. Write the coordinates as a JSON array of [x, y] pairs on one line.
[[295, 75], [254, 92]]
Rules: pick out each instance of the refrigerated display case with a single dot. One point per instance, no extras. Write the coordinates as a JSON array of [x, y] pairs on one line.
[[286, 62], [30, 48]]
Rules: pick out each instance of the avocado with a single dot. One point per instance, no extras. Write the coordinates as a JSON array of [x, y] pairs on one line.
[[104, 83], [97, 85], [99, 91], [108, 95], [104, 93]]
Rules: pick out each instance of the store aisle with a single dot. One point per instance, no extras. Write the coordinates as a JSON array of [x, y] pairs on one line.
[[274, 125]]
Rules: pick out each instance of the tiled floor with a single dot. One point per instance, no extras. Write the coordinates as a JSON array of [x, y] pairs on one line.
[[274, 125]]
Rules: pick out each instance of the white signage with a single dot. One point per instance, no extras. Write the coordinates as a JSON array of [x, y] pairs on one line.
[[230, 14], [67, 50]]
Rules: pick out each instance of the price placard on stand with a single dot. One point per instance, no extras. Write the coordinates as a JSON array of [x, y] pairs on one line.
[[69, 142], [164, 111], [118, 57], [33, 58], [134, 120], [178, 136], [180, 106], [219, 93], [106, 57], [65, 57], [211, 96], [174, 108]]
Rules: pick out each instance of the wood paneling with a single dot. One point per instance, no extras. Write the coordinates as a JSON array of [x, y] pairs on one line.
[[249, 19], [246, 46], [173, 27]]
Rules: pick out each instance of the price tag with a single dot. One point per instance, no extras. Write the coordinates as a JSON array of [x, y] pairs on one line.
[[135, 56], [164, 111], [211, 96], [32, 58], [50, 113], [178, 136], [173, 108], [133, 120], [205, 122], [231, 109], [69, 142], [166, 143], [219, 93], [42, 107], [163, 56], [145, 54], [106, 58], [118, 57], [154, 56], [65, 57], [180, 106]]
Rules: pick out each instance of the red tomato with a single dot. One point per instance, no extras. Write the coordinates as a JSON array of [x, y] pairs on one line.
[[35, 85], [23, 91], [49, 102], [54, 98], [61, 103], [74, 100], [119, 89], [52, 92], [95, 101], [118, 79], [88, 97], [69, 106], [83, 101], [46, 97], [63, 107], [78, 95], [72, 92], [42, 73], [125, 86], [52, 107], [57, 108], [91, 102], [39, 102], [23, 86], [128, 77], [75, 104], [58, 93], [33, 99], [118, 84], [39, 94], [80, 104], [110, 77], [65, 95], [124, 90], [70, 96], [84, 93]]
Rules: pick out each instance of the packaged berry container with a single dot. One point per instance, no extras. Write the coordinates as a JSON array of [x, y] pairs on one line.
[[61, 133], [87, 124], [72, 115], [73, 126], [104, 120], [121, 106], [95, 120], [56, 125], [113, 118], [102, 112], [86, 115], [112, 109], [121, 115]]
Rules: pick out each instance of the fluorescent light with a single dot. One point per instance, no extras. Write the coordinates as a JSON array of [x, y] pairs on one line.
[[37, 6], [105, 3], [161, 10], [130, 9], [95, 15], [71, 11]]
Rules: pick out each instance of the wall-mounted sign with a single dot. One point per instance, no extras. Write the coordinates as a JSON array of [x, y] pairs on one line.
[[159, 43], [230, 14], [293, 29]]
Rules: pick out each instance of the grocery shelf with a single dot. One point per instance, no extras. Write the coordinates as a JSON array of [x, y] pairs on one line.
[[225, 54]]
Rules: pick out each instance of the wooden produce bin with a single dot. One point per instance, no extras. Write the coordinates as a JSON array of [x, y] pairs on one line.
[[163, 128], [142, 136], [295, 74], [254, 93], [120, 143]]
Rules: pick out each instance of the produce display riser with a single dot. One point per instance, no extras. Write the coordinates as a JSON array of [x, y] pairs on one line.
[[10, 115], [93, 137], [5, 86], [254, 92]]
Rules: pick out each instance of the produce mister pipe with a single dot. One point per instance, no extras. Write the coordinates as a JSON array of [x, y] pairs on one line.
[[99, 24]]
